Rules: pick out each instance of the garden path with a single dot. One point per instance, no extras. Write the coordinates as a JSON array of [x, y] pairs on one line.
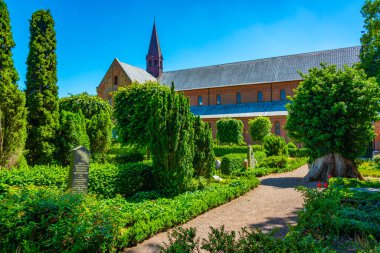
[[273, 204]]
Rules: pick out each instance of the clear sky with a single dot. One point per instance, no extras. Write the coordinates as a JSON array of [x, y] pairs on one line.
[[91, 33]]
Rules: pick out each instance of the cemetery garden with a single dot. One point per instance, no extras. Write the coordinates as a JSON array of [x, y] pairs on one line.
[[79, 176]]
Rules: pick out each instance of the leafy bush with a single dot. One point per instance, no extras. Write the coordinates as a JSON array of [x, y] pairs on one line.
[[72, 133], [292, 149], [52, 220], [259, 156], [97, 113], [229, 130], [292, 164], [257, 148], [225, 150], [204, 158], [275, 145], [134, 155], [274, 162], [259, 128], [303, 152], [248, 240], [376, 159], [232, 163]]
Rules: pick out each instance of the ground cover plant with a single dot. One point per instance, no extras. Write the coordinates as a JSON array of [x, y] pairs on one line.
[[42, 219], [369, 168]]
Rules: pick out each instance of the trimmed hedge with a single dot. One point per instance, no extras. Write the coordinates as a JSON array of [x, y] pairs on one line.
[[104, 179], [292, 164], [232, 163], [274, 162], [259, 156], [225, 150], [54, 221]]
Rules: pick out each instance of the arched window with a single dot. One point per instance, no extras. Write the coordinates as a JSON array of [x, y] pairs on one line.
[[115, 82], [277, 128], [238, 98], [199, 100], [218, 99], [282, 95], [259, 96]]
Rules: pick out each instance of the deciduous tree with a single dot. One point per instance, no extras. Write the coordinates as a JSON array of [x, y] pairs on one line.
[[331, 113], [259, 128]]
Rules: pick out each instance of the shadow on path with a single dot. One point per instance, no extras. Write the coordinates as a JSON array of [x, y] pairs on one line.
[[282, 182]]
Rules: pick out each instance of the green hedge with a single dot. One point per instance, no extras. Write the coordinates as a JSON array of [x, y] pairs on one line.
[[274, 162], [47, 220], [104, 179], [292, 164], [225, 150], [232, 163]]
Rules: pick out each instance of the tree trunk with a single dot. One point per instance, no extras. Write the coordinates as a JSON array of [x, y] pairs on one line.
[[332, 165]]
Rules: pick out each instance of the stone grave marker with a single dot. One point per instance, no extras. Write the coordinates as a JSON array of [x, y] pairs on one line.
[[251, 157], [79, 167]]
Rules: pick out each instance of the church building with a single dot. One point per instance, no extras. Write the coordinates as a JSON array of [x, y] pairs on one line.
[[241, 90]]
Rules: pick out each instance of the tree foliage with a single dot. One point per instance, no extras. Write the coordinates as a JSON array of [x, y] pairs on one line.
[[370, 40], [230, 130], [332, 111], [72, 134], [275, 145], [42, 89], [259, 128], [132, 110], [204, 158], [12, 100], [171, 133], [97, 114]]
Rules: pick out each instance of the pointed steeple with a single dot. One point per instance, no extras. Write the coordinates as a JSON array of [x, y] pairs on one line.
[[154, 59]]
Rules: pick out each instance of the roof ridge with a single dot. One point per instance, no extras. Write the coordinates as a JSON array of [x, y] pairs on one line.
[[261, 59]]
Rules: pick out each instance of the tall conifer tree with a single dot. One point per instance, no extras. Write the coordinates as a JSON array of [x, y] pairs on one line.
[[12, 100], [41, 89]]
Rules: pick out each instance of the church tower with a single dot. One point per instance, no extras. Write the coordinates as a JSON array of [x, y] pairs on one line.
[[154, 59]]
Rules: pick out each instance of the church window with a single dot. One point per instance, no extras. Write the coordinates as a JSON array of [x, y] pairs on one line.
[[277, 128], [282, 95], [218, 99], [150, 63], [155, 63], [199, 100], [259, 96], [238, 98], [115, 81]]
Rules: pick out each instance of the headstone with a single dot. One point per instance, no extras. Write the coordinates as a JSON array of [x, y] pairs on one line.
[[217, 178], [78, 174], [218, 163], [245, 164], [251, 157]]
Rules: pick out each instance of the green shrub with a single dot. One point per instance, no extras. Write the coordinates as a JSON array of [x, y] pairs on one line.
[[72, 133], [204, 157], [259, 128], [257, 148], [274, 162], [303, 152], [225, 150], [292, 149], [134, 155], [259, 156], [47, 220], [230, 130], [376, 159], [275, 145], [232, 163]]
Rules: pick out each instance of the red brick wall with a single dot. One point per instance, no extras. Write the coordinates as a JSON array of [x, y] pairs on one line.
[[270, 91], [377, 138]]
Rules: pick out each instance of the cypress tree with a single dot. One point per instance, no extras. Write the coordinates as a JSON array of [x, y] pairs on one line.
[[42, 89], [12, 100], [172, 146]]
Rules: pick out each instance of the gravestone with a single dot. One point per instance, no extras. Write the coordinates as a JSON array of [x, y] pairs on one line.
[[251, 157], [79, 166]]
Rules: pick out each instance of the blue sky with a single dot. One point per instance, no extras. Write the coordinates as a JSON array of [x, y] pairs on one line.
[[91, 33]]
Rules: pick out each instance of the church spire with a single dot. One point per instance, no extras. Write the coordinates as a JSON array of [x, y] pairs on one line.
[[154, 59]]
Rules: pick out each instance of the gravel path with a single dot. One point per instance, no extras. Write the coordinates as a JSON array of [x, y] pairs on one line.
[[273, 203]]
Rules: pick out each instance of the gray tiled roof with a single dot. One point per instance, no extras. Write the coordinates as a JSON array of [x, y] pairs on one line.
[[136, 74], [275, 69], [241, 110]]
